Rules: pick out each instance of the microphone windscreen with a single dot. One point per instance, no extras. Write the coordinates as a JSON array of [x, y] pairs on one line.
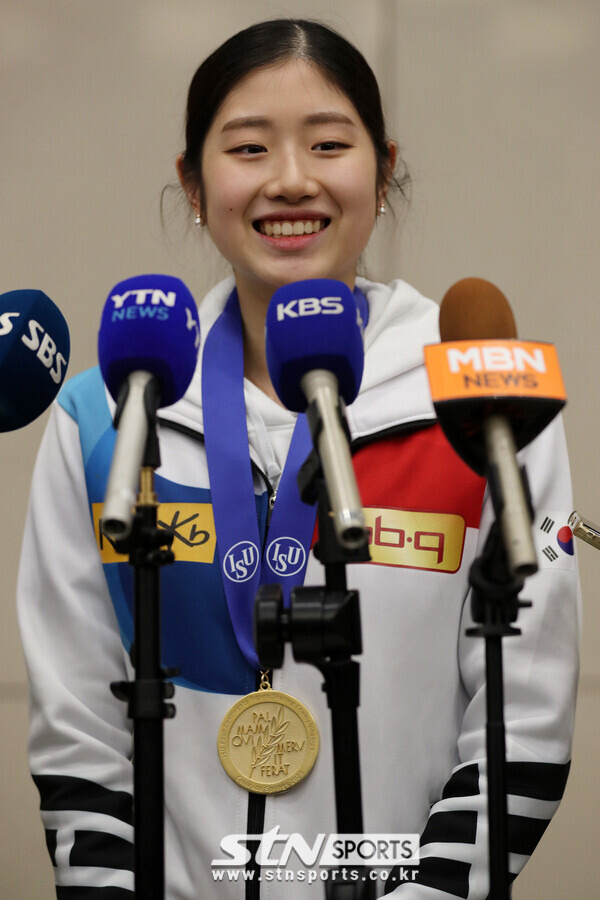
[[313, 324], [150, 323], [475, 309], [34, 354]]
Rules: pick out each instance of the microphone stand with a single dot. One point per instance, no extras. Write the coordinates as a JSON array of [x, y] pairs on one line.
[[494, 605], [149, 549], [323, 626]]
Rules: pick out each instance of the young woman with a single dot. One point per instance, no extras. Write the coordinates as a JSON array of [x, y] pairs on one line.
[[287, 165]]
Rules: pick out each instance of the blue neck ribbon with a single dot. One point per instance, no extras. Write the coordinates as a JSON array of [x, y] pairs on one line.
[[245, 564]]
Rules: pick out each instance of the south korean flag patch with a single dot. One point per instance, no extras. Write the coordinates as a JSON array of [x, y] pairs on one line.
[[554, 541]]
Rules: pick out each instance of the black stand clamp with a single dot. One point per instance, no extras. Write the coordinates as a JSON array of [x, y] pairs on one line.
[[149, 549], [494, 605], [323, 626]]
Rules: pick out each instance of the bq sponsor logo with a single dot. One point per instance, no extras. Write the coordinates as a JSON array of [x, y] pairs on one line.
[[310, 306], [286, 556], [415, 540], [275, 849], [192, 526], [470, 369], [241, 561]]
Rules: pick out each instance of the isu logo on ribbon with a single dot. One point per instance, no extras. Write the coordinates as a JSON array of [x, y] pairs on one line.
[[193, 528], [463, 370], [415, 540]]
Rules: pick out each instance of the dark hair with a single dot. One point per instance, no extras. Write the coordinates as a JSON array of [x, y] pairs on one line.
[[267, 44]]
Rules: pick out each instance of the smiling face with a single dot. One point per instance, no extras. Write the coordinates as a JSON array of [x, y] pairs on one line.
[[289, 178]]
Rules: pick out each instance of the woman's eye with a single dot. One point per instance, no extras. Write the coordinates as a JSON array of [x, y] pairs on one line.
[[248, 149], [330, 145]]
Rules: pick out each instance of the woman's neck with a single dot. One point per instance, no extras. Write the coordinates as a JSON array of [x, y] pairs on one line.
[[254, 310]]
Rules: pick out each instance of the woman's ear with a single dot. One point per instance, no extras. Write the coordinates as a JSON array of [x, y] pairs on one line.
[[192, 191], [391, 165], [393, 151]]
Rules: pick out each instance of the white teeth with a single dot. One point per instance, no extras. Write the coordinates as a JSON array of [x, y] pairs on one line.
[[297, 227]]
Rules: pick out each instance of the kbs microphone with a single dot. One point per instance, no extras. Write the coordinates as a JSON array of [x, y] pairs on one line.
[[147, 348], [34, 355], [315, 356], [493, 394]]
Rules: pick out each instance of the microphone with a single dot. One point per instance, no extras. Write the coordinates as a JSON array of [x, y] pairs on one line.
[[34, 354], [315, 356], [147, 348], [493, 394], [584, 529]]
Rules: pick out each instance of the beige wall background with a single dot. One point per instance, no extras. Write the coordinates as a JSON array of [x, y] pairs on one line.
[[495, 104]]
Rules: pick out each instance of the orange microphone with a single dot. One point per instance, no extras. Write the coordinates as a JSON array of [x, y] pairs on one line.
[[493, 394]]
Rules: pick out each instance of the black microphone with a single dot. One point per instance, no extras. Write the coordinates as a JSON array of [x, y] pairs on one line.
[[493, 394], [34, 355], [147, 347]]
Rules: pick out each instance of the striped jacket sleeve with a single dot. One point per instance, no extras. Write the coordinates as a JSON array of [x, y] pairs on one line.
[[80, 737], [541, 668]]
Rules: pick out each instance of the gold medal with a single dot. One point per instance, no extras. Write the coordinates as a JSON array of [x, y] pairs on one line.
[[268, 741]]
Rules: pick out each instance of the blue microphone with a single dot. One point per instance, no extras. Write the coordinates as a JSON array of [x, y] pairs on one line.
[[314, 324], [150, 323], [315, 356], [147, 348], [34, 355]]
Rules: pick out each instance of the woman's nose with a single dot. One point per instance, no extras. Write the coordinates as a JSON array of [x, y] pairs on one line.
[[291, 179]]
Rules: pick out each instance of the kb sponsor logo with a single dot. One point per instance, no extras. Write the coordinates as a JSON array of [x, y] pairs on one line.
[[286, 556], [241, 561], [310, 306]]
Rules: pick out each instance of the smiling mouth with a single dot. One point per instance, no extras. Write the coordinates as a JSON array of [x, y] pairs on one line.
[[283, 228]]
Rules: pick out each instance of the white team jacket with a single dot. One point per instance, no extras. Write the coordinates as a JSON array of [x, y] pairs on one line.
[[422, 713]]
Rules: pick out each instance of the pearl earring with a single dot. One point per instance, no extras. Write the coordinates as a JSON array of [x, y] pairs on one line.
[[382, 209], [199, 221]]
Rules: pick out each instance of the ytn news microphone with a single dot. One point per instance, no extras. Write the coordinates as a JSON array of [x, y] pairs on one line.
[[34, 355], [147, 348], [493, 394], [315, 355]]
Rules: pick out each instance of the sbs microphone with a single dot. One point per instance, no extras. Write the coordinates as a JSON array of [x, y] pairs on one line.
[[147, 348], [493, 394], [315, 356], [34, 355]]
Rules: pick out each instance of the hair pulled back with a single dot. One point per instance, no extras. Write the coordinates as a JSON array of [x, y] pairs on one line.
[[270, 43]]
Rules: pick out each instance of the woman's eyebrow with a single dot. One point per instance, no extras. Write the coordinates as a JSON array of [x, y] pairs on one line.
[[247, 122], [328, 118], [318, 118]]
